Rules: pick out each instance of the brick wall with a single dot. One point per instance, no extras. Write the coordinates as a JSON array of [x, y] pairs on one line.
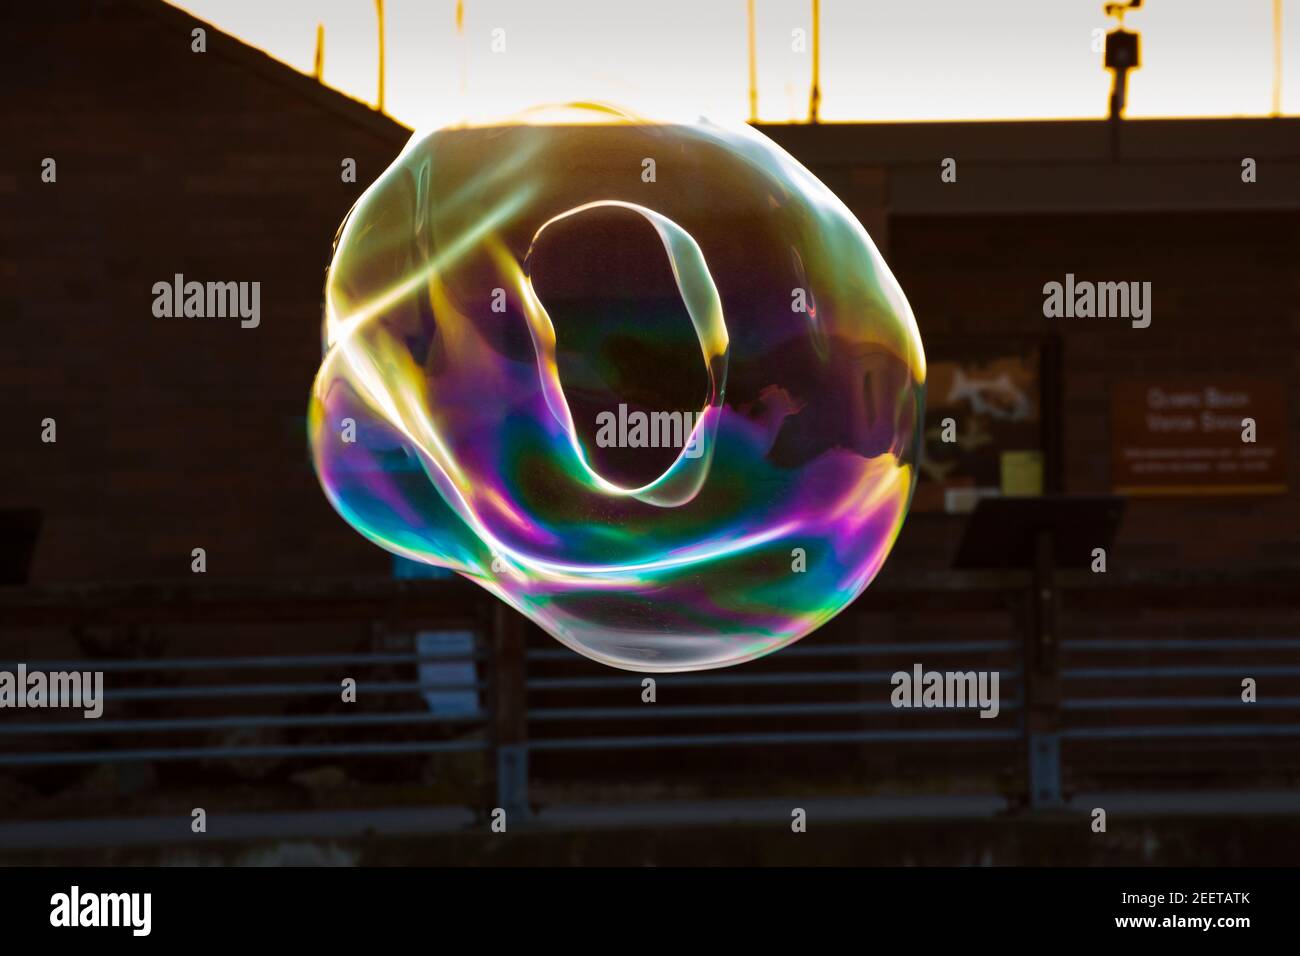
[[173, 433], [1226, 303]]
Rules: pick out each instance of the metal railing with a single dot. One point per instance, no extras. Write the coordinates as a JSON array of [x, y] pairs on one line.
[[544, 700]]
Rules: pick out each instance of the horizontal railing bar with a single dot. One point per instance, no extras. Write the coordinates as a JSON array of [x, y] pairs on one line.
[[1183, 644], [240, 753], [594, 713], [740, 740], [288, 690], [381, 597], [382, 590], [804, 649], [737, 710], [1208, 670], [1155, 730], [240, 663], [84, 726], [1159, 703], [711, 679]]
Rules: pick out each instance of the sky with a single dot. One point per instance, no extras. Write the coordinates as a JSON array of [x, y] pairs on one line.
[[881, 60]]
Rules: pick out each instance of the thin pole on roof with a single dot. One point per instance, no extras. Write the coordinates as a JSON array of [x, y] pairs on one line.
[[753, 67], [379, 10], [318, 68], [460, 35], [1277, 57], [815, 98]]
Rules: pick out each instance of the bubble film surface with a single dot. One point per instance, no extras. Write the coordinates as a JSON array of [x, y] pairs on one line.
[[649, 383]]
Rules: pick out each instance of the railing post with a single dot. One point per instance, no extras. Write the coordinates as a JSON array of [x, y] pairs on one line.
[[509, 712], [1041, 681]]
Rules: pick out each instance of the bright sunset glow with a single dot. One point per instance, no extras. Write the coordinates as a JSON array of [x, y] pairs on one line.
[[880, 60]]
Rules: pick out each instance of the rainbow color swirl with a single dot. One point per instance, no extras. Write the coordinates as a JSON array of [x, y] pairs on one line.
[[452, 424]]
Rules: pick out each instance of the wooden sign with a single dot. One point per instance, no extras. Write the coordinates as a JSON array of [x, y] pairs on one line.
[[1206, 437]]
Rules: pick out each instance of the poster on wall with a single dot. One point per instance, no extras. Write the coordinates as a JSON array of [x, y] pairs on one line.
[[983, 425], [1207, 437]]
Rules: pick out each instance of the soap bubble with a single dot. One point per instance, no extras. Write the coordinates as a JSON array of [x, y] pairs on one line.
[[649, 383]]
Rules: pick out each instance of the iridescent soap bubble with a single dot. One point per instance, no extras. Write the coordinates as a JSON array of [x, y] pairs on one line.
[[649, 383]]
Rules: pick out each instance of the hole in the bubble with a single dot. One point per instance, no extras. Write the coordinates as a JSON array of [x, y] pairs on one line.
[[629, 358]]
